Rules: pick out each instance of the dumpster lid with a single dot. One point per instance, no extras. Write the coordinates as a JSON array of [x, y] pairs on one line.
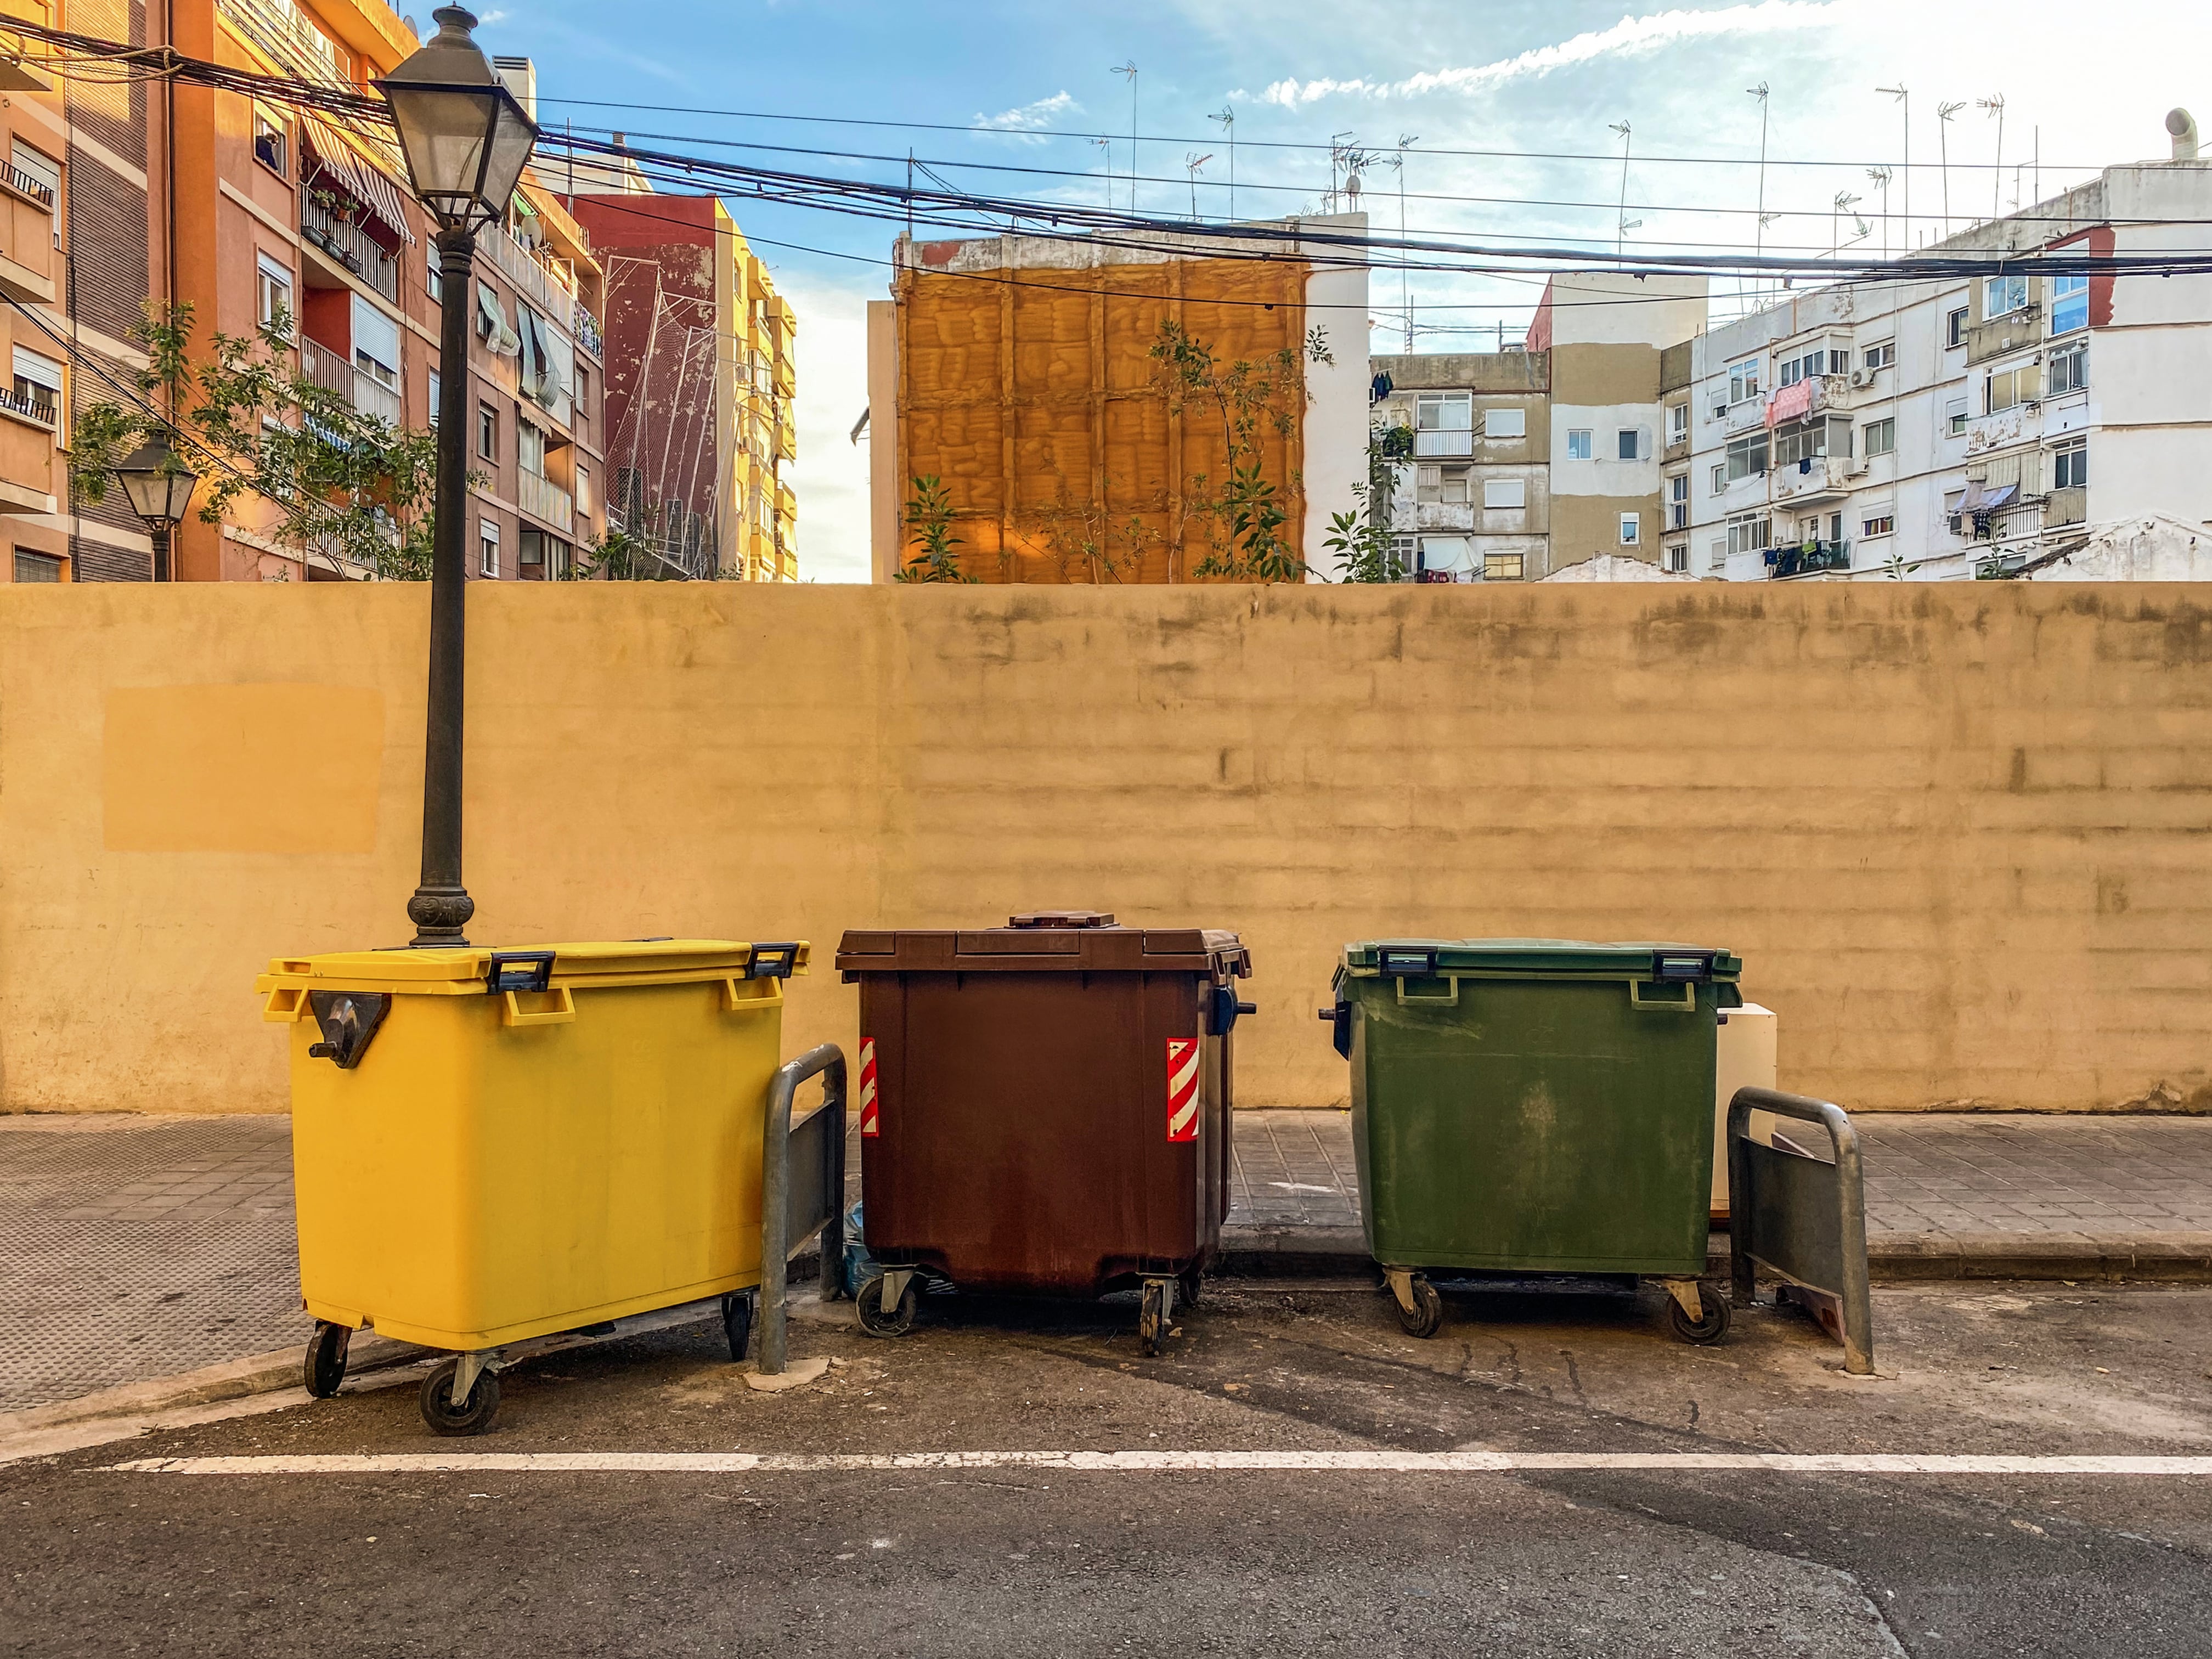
[[470, 968], [1077, 941], [1566, 958]]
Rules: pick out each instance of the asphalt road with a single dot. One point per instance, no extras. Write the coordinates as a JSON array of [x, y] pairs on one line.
[[1029, 1560]]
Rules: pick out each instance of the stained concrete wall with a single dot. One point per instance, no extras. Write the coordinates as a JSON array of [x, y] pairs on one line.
[[1960, 832]]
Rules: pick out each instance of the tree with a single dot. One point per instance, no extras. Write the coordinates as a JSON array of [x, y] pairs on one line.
[[1243, 513], [929, 527], [1361, 538], [340, 480], [619, 557]]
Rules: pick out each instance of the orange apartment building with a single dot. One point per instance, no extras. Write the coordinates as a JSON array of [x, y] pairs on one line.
[[116, 195]]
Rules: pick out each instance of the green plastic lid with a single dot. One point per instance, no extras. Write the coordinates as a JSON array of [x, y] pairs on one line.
[[1540, 959]]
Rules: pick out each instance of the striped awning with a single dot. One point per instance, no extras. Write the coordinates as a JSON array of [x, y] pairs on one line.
[[364, 183]]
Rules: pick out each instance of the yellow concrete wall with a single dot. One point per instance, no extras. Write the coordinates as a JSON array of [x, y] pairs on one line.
[[1958, 831]]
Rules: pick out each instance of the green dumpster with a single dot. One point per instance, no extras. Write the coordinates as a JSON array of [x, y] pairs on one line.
[[1534, 1106]]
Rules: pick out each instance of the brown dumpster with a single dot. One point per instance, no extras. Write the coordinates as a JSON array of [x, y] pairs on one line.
[[1044, 1109]]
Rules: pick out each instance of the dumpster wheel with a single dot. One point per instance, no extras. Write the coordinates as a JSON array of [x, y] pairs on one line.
[[1420, 1310], [325, 1367], [1711, 1322], [738, 1323], [473, 1415], [1153, 1315], [878, 1320]]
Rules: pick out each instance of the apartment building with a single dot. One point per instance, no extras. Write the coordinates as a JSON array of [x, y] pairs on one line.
[[701, 408], [1942, 430], [1467, 439], [241, 208], [35, 129], [1019, 372]]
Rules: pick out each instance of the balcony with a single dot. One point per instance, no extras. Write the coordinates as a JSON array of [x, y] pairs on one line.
[[34, 404], [2022, 424], [362, 390], [342, 240], [2069, 505], [1811, 480], [544, 501], [1807, 559], [551, 294], [587, 333], [1441, 446], [2014, 331]]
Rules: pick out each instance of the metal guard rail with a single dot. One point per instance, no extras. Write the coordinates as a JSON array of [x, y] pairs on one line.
[[789, 1218], [1789, 1227]]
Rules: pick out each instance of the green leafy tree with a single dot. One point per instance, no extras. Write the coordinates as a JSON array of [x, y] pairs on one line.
[[339, 480], [619, 557], [1241, 513], [929, 531], [1361, 538]]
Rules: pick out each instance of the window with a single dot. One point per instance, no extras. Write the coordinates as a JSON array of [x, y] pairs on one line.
[[1878, 524], [2070, 464], [1811, 364], [273, 291], [1800, 442], [434, 280], [583, 396], [268, 144], [1444, 412], [529, 449], [1743, 380], [1839, 362], [1720, 477], [1747, 456], [2069, 368], [1428, 483], [1747, 533], [1717, 553], [1501, 567], [1678, 423], [1678, 558], [1954, 416], [1504, 493], [2069, 304], [38, 389], [531, 555], [2011, 387], [38, 567], [1578, 444], [1678, 502], [1880, 436], [487, 432], [1628, 443], [34, 173], [1454, 486], [487, 548], [1504, 423], [2003, 295], [375, 344], [583, 491], [437, 395], [1954, 327], [558, 564], [1880, 356], [1632, 529]]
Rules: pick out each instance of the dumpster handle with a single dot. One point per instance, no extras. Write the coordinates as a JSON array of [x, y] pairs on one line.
[[1451, 1001], [735, 1001], [1858, 1305], [563, 1012], [1686, 1004], [288, 1013], [826, 1060]]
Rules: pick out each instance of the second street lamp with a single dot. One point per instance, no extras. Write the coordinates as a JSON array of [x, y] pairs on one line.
[[159, 487], [466, 140]]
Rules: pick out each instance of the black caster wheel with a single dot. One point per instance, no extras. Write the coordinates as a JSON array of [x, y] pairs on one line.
[[471, 1416], [326, 1365], [1152, 1316], [738, 1323], [878, 1320], [1713, 1304], [1427, 1317], [1188, 1286]]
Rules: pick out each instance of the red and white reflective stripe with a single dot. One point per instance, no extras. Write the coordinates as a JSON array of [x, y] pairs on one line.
[[868, 1124], [1183, 1088]]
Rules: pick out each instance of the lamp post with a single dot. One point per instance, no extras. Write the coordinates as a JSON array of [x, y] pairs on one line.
[[466, 140], [160, 487]]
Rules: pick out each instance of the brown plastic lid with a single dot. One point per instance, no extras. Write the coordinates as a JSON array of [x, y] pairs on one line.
[[1046, 941]]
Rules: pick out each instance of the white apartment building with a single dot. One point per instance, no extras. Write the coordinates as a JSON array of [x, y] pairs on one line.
[[1467, 437], [1937, 429]]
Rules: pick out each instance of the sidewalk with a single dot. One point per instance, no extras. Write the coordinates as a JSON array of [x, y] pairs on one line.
[[134, 1248]]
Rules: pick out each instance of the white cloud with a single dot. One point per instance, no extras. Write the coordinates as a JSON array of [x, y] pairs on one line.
[[1631, 36], [1022, 121]]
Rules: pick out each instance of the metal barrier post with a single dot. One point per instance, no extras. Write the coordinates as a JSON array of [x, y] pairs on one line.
[[1823, 1251], [789, 1218]]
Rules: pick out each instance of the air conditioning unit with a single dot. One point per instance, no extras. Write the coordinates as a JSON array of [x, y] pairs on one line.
[[1856, 468], [1862, 377]]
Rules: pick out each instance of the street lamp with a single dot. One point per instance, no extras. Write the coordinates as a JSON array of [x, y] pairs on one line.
[[466, 140], [160, 487]]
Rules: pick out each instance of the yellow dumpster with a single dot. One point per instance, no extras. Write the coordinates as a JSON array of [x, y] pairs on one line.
[[493, 1145]]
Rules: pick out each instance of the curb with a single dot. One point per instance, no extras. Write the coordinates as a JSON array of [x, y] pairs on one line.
[[2176, 1258], [234, 1379]]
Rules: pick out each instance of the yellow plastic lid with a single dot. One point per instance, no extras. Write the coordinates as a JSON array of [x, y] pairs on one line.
[[470, 967]]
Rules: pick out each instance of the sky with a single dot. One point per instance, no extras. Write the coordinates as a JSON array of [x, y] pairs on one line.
[[1499, 118]]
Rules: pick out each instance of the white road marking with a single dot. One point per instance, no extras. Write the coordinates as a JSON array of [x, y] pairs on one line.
[[1457, 1462]]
